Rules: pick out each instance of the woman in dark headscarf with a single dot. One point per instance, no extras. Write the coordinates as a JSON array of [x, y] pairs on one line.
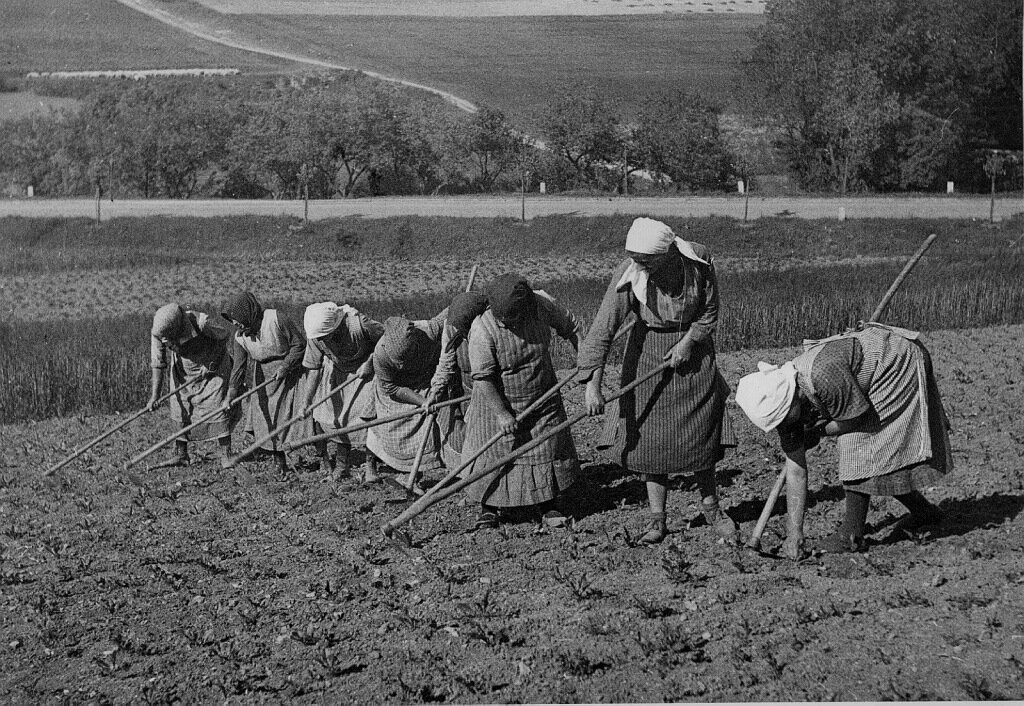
[[404, 361], [511, 367], [452, 377], [676, 422], [276, 345], [189, 344]]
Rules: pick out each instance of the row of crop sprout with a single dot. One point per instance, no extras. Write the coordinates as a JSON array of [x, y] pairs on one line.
[[61, 368]]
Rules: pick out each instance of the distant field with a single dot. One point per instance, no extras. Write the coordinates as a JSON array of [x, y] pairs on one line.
[[520, 64], [54, 35], [480, 8]]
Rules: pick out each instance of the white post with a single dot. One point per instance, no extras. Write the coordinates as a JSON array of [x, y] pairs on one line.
[[949, 187], [740, 187], [543, 188]]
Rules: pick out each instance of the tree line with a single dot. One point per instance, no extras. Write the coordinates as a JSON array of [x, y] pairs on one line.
[[337, 136]]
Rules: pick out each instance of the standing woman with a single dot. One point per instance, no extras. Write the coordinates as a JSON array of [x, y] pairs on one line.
[[339, 348], [452, 378], [675, 423], [404, 361], [189, 343], [509, 355], [276, 345], [874, 389]]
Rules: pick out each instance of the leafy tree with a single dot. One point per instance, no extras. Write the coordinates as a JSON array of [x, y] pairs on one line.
[[583, 130], [677, 137], [488, 147]]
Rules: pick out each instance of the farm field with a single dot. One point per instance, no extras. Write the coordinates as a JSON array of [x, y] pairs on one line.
[[197, 585], [56, 35], [479, 8]]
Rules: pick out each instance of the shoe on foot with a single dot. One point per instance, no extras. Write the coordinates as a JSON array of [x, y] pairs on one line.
[[487, 519], [554, 518], [722, 523], [656, 529], [326, 466], [839, 542], [172, 461], [370, 473]]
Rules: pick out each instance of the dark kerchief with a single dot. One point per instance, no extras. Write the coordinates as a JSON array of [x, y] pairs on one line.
[[464, 308], [243, 308], [511, 298], [403, 342]]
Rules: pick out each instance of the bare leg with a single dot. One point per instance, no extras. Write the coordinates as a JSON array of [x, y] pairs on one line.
[[224, 450], [370, 468]]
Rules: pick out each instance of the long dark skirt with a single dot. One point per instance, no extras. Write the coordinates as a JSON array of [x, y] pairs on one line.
[[675, 422]]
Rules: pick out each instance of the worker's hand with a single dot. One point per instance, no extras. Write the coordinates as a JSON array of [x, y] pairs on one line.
[[594, 400], [680, 353], [365, 371], [233, 394], [793, 547], [151, 404], [506, 422]]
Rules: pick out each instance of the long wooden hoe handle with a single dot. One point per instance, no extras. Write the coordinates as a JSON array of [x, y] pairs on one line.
[[282, 428], [769, 506], [414, 472], [428, 500], [180, 433], [118, 427], [372, 423]]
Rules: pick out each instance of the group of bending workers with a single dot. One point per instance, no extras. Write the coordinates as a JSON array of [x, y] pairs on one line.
[[872, 387]]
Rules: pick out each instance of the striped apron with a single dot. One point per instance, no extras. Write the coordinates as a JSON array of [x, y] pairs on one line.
[[526, 373], [674, 422]]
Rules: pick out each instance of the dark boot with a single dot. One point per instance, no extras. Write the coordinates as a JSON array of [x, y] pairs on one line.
[[850, 536], [922, 512], [716, 517]]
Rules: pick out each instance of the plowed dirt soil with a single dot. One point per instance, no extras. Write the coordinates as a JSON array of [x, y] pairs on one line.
[[199, 585]]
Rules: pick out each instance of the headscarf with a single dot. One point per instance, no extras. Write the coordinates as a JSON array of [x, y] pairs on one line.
[[464, 308], [243, 308], [323, 318], [767, 395], [511, 298], [650, 237], [403, 341], [171, 323]]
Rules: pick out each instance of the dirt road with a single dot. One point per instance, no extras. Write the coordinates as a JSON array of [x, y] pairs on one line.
[[535, 206]]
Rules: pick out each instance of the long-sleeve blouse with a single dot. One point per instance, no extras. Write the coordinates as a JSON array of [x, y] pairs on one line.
[[206, 348], [694, 310], [348, 346], [280, 338]]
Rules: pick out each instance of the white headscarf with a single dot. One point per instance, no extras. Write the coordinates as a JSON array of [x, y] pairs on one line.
[[767, 395], [650, 237], [323, 318]]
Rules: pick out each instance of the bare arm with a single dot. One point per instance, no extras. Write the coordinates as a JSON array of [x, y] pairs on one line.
[[796, 501], [496, 402]]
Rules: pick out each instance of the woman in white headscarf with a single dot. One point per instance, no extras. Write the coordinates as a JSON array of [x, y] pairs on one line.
[[676, 422], [339, 348], [873, 388], [189, 344]]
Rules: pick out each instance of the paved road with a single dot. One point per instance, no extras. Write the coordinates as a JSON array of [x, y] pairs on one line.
[[960, 207]]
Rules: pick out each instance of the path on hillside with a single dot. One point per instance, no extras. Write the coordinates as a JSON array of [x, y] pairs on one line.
[[958, 207], [196, 29]]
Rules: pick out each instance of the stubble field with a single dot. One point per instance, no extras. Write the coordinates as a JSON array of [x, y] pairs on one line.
[[195, 584]]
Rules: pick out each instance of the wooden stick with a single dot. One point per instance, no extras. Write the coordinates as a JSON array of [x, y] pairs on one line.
[[202, 420], [914, 259], [769, 506], [145, 410], [372, 423], [472, 276], [410, 482], [428, 500], [282, 428]]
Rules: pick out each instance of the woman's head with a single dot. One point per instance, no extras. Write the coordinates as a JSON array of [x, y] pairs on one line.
[[322, 319], [649, 243], [244, 311], [769, 396], [511, 299], [171, 325], [464, 308]]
